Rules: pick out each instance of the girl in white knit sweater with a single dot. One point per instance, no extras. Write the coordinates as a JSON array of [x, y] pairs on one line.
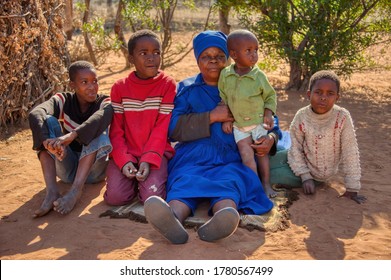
[[324, 139]]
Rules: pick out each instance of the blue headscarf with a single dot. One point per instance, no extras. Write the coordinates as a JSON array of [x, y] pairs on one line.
[[209, 39]]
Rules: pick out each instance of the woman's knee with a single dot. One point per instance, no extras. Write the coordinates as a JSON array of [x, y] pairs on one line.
[[223, 203]]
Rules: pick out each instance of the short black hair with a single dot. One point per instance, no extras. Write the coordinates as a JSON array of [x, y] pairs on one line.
[[240, 33], [324, 74], [139, 34], [77, 66]]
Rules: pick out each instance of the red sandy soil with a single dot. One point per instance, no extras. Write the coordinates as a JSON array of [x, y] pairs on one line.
[[321, 226]]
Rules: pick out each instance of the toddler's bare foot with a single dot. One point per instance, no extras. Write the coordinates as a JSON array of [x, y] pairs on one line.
[[65, 204], [269, 191], [47, 204]]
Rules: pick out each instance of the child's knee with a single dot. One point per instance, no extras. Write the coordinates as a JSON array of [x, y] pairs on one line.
[[149, 190], [95, 178], [67, 176]]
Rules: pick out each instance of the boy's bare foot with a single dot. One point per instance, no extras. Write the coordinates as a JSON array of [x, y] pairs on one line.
[[65, 204], [269, 191], [47, 204]]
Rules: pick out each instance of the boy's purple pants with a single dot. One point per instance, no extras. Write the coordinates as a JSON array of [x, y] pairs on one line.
[[121, 190]]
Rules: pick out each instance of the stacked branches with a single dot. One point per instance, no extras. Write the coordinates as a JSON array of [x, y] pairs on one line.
[[33, 55]]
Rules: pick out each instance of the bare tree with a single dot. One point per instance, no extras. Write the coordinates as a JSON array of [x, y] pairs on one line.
[[224, 26], [85, 34], [68, 23], [165, 11], [119, 32]]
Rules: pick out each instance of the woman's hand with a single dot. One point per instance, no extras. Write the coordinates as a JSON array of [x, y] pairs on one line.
[[268, 120], [227, 127], [263, 145], [220, 114]]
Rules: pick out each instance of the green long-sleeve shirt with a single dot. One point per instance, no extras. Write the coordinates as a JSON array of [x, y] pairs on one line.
[[247, 96]]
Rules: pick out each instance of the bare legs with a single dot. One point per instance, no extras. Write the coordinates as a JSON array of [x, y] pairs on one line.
[[52, 192], [264, 173], [66, 203], [224, 222], [247, 153], [262, 169], [182, 211], [53, 199], [168, 219]]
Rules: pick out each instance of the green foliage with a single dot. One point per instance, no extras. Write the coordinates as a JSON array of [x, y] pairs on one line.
[[80, 7], [157, 15], [102, 40], [190, 4], [317, 34], [150, 14], [138, 14], [268, 60]]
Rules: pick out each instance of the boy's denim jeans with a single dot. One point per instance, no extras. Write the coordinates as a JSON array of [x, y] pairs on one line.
[[66, 169]]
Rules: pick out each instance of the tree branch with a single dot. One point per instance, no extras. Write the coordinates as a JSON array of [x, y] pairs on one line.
[[15, 16], [364, 13], [296, 9]]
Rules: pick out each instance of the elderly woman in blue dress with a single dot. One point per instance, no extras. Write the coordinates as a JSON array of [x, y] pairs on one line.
[[207, 164]]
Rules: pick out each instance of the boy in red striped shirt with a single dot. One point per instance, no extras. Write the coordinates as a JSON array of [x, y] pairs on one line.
[[142, 104]]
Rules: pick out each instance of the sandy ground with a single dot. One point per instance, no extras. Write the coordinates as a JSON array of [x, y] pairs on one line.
[[320, 227]]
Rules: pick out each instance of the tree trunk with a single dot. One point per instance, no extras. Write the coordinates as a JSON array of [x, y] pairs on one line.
[[68, 24], [305, 82], [224, 26], [120, 34], [86, 37], [166, 14], [295, 74]]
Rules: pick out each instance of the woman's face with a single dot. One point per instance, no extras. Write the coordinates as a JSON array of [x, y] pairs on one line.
[[210, 62]]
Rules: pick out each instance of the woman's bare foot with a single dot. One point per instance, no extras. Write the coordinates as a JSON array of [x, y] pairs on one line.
[[269, 191], [65, 204], [47, 204]]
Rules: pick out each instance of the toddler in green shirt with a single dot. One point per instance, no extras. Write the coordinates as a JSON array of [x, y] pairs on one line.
[[251, 99]]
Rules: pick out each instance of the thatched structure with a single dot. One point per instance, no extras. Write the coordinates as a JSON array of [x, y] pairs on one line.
[[33, 55]]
